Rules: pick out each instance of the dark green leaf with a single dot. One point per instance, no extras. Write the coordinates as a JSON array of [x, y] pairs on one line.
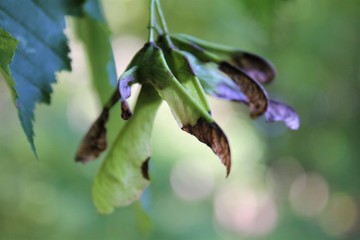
[[38, 25]]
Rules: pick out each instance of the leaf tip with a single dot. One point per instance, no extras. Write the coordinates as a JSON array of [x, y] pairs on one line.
[[278, 111], [212, 135], [125, 110], [257, 67], [94, 141]]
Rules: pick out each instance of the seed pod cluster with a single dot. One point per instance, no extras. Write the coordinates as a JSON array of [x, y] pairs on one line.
[[179, 70]]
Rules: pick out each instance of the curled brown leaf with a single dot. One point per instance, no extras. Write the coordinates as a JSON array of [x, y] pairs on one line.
[[212, 135], [255, 66], [126, 112], [94, 142], [257, 98]]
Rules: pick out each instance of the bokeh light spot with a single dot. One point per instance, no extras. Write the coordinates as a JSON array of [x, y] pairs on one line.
[[309, 194], [247, 212], [340, 216], [191, 181], [281, 174]]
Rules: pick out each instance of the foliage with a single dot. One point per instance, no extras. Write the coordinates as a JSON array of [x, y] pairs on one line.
[[170, 73], [325, 144], [38, 26]]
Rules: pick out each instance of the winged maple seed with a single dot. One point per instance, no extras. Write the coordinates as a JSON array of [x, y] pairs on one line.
[[179, 73]]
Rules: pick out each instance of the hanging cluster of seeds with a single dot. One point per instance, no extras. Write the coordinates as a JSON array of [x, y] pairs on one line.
[[179, 69]]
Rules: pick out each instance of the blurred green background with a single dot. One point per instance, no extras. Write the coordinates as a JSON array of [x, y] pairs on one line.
[[284, 185]]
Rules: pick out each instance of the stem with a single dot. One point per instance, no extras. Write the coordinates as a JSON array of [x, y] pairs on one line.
[[151, 21], [164, 25], [162, 18], [158, 30]]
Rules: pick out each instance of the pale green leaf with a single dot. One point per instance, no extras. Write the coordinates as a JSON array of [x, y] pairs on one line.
[[123, 174], [183, 71]]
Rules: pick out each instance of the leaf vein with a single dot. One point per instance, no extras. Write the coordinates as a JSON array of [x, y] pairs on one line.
[[22, 25], [47, 14]]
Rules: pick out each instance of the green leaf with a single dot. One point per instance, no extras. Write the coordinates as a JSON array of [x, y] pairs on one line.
[[183, 71], [42, 51], [8, 45], [93, 31], [184, 107], [123, 175]]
